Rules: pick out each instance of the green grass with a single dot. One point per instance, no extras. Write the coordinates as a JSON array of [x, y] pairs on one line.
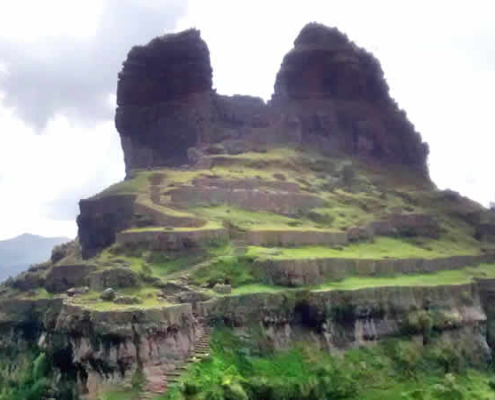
[[258, 288], [392, 370], [37, 294], [454, 277], [244, 219], [147, 295], [208, 225], [381, 248], [119, 395], [226, 269]]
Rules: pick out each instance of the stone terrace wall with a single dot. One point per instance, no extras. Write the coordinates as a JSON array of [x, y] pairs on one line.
[[63, 277], [318, 270], [294, 238], [171, 240], [162, 219], [254, 200], [100, 219], [247, 184]]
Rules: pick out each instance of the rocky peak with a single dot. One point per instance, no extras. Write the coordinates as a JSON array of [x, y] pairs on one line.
[[325, 63], [335, 94], [168, 67], [329, 93]]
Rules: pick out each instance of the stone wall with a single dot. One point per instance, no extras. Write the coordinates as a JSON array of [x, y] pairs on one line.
[[171, 240], [246, 184], [294, 238], [254, 200], [100, 219], [60, 278], [115, 278], [161, 219], [313, 271]]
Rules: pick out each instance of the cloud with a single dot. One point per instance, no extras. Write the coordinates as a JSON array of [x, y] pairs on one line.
[[58, 76], [74, 75]]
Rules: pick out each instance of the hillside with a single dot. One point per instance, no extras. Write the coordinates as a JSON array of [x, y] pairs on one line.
[[18, 253], [295, 249]]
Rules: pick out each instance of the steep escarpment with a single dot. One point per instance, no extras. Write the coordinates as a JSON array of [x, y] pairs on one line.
[[328, 93], [163, 97], [335, 93]]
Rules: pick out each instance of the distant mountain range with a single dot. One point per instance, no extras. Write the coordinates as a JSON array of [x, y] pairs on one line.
[[18, 253]]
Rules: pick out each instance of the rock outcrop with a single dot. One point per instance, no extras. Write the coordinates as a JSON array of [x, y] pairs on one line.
[[328, 92], [334, 94]]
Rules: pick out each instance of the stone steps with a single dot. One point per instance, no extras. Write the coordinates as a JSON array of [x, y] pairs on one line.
[[183, 274], [161, 380]]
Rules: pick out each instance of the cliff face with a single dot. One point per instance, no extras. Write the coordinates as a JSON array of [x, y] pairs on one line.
[[335, 94], [328, 93], [163, 98]]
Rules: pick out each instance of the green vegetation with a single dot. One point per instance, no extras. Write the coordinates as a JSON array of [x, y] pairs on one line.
[[232, 270], [380, 248], [244, 219], [454, 277], [29, 375], [393, 370], [208, 225]]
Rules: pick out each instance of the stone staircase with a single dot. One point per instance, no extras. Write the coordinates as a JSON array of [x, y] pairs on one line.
[[183, 275], [157, 381], [239, 247]]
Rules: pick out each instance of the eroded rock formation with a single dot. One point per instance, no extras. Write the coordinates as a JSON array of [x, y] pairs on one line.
[[328, 92]]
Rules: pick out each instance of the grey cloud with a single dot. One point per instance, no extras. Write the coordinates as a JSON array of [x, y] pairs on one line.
[[75, 77]]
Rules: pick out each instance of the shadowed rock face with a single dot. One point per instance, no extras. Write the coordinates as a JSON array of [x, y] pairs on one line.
[[328, 92], [163, 98], [335, 94]]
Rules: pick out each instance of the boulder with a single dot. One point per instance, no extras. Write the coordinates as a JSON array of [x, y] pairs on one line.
[[77, 291], [108, 295], [192, 297], [222, 289]]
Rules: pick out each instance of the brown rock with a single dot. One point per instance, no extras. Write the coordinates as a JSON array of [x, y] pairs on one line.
[[328, 92]]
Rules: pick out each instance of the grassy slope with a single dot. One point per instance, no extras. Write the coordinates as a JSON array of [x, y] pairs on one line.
[[455, 277], [380, 248]]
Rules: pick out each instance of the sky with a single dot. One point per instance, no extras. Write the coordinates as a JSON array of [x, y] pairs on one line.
[[60, 59]]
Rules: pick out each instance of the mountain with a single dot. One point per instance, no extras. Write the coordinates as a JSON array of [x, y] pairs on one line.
[[18, 253], [293, 249]]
